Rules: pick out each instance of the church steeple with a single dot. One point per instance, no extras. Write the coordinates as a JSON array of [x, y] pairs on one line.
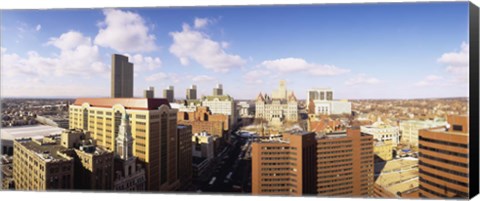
[[124, 139]]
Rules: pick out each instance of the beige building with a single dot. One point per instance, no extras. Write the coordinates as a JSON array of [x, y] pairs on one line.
[[397, 179], [203, 145], [281, 92], [382, 132], [276, 111], [383, 150], [409, 129], [49, 163], [223, 104], [122, 77], [154, 131]]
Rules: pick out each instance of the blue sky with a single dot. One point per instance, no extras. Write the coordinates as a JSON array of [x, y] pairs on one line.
[[411, 50]]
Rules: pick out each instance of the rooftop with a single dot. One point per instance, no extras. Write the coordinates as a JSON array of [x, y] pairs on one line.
[[35, 132], [128, 103], [399, 175], [47, 152]]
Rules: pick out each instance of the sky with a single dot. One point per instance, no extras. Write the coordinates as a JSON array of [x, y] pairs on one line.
[[361, 51]]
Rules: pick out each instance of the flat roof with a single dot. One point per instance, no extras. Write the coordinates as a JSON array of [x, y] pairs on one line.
[[48, 152], [31, 131], [399, 175], [128, 103]]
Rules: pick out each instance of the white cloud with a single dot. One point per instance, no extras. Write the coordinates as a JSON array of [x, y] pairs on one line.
[[142, 63], [361, 79], [203, 78], [38, 27], [457, 62], [255, 76], [288, 65], [157, 77], [430, 80], [194, 45], [201, 22], [77, 57], [125, 31]]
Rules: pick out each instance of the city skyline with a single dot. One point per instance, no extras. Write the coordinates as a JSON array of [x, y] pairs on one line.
[[350, 50]]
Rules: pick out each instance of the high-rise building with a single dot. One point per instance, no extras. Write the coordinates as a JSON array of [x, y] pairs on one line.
[[281, 92], [345, 164], [192, 93], [169, 94], [218, 91], [129, 175], [221, 105], [184, 158], [66, 161], [149, 93], [122, 77], [153, 126], [323, 103], [443, 159], [285, 166]]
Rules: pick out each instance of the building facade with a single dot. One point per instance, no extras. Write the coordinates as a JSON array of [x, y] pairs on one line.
[[221, 105], [202, 119], [153, 126], [382, 132], [345, 164], [192, 93], [203, 145], [184, 150], [409, 129], [276, 110], [443, 160], [218, 90], [149, 93], [285, 166], [323, 103], [122, 77], [169, 94]]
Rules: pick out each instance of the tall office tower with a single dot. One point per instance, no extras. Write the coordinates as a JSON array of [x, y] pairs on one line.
[[153, 127], [345, 164], [122, 77], [218, 91], [149, 93], [129, 175], [324, 94], [285, 166], [169, 94], [192, 93], [320, 101], [281, 92], [184, 150], [68, 161], [443, 159]]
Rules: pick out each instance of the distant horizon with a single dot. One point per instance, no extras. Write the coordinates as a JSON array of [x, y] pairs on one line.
[[366, 51]]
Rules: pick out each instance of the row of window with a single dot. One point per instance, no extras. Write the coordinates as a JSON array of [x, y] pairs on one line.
[[443, 160], [442, 142], [421, 171], [443, 151], [443, 169]]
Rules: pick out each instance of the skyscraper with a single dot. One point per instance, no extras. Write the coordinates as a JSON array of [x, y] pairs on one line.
[[443, 159], [149, 93], [218, 91], [285, 166], [153, 127], [281, 92], [169, 94], [122, 77], [192, 93]]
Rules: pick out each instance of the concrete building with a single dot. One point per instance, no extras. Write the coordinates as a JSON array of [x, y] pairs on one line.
[[276, 111], [169, 94], [382, 132], [345, 164], [443, 160], [49, 163], [244, 109], [203, 145], [184, 161], [192, 93], [409, 129], [281, 92], [383, 150], [8, 135], [221, 105], [121, 77], [202, 119], [285, 166], [149, 93], [52, 120], [396, 179], [153, 126], [218, 90], [323, 103], [129, 175]]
